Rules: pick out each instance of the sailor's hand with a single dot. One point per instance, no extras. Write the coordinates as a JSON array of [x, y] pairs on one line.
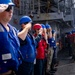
[[28, 25], [41, 31]]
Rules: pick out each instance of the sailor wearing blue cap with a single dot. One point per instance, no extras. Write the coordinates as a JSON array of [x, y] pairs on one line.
[[49, 29], [44, 32], [52, 42], [8, 39], [28, 47]]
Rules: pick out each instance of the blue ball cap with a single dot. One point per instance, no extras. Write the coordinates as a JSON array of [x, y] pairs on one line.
[[53, 31], [8, 2], [43, 26], [68, 33], [73, 31], [25, 19], [48, 26]]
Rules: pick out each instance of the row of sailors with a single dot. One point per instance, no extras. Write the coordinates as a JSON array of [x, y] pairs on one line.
[[19, 48]]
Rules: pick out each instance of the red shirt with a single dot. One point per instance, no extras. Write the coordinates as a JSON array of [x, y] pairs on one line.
[[42, 45]]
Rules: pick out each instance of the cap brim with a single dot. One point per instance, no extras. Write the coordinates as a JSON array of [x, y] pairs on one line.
[[11, 4], [3, 7]]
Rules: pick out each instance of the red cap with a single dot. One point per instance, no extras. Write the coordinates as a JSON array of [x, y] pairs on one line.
[[37, 26]]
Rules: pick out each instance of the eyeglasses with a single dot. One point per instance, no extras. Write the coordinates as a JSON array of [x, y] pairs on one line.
[[9, 8]]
